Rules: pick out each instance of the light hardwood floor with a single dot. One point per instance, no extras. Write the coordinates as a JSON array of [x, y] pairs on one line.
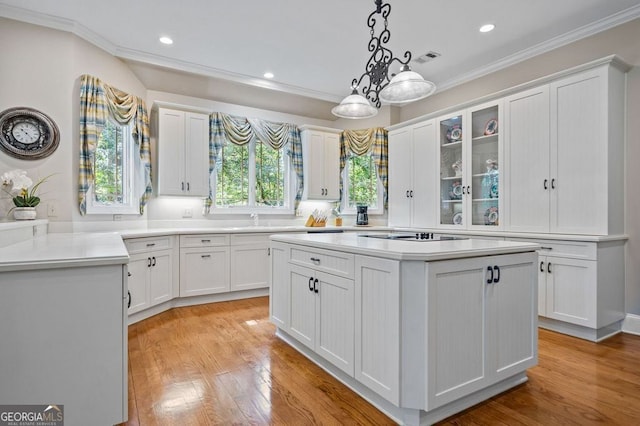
[[221, 364]]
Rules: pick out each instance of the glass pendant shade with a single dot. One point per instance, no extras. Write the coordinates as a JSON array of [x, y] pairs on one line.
[[406, 86], [354, 106]]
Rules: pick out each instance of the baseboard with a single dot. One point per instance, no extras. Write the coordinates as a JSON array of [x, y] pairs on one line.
[[631, 324]]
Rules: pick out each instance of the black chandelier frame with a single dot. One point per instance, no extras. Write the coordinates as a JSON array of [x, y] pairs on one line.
[[377, 67]]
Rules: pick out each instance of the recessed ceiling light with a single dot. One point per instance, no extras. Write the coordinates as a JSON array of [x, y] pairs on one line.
[[166, 40], [268, 75], [486, 28]]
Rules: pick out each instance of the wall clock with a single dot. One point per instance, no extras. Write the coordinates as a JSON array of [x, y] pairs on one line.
[[27, 133]]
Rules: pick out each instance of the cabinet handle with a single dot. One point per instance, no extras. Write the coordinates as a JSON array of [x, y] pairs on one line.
[[463, 191], [468, 190], [541, 266], [546, 248], [204, 256], [549, 267], [154, 261], [490, 279], [188, 188], [315, 260], [496, 279], [310, 282], [411, 194], [205, 241], [128, 274], [148, 262], [269, 251], [129, 302], [546, 181], [151, 244], [315, 285], [182, 186], [407, 193], [553, 183]]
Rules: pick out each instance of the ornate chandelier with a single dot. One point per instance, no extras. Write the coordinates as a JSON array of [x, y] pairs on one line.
[[406, 86]]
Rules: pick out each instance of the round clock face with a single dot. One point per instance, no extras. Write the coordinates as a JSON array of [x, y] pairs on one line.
[[27, 133]]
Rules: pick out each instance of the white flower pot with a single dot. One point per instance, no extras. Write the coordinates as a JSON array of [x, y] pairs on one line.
[[24, 213]]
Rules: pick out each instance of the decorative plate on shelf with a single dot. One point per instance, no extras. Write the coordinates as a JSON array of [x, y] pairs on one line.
[[456, 191], [457, 218], [491, 216], [454, 134], [491, 127]]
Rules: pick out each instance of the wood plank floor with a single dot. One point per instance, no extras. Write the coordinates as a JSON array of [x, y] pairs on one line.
[[221, 364]]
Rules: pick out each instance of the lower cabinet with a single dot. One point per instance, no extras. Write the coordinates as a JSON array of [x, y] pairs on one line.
[[481, 324], [150, 272], [249, 261], [204, 271], [321, 307]]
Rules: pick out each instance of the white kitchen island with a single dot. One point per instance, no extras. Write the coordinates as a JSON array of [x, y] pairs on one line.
[[421, 329]]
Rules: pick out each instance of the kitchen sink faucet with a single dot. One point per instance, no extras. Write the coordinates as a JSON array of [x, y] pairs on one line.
[[256, 219]]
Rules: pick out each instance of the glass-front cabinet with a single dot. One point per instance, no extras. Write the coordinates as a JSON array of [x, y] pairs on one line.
[[470, 152]]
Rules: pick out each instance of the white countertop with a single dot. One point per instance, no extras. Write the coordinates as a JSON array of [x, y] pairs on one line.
[[407, 250], [63, 251]]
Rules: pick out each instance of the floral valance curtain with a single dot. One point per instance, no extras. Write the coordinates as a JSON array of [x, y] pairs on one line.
[[240, 130], [98, 101], [373, 141]]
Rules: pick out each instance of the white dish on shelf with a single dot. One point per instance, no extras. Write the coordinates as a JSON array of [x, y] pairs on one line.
[[457, 218]]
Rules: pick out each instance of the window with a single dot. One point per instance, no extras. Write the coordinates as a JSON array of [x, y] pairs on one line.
[[253, 176], [112, 190], [361, 185]]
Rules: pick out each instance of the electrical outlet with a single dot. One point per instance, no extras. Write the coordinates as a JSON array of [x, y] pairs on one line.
[[117, 217], [187, 213], [52, 209]]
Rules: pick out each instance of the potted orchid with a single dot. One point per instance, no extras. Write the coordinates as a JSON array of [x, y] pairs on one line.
[[23, 193]]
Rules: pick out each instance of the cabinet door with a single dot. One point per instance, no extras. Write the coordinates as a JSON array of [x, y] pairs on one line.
[[313, 165], [204, 271], [331, 166], [423, 164], [511, 315], [526, 161], [377, 326], [138, 282], [456, 330], [160, 280], [249, 266], [400, 174], [579, 186], [572, 290], [171, 152], [334, 322], [197, 154], [279, 298], [542, 286], [453, 184], [303, 305]]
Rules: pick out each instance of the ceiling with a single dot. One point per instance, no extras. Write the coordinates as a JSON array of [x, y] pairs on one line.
[[314, 49]]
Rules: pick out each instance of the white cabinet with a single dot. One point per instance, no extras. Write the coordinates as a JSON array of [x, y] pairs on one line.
[[481, 324], [313, 306], [249, 261], [150, 272], [377, 326], [321, 162], [565, 155], [412, 161], [183, 153], [204, 264], [470, 162]]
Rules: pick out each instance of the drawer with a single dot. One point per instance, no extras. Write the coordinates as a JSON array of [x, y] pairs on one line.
[[204, 240], [240, 239], [332, 262], [142, 245], [570, 249]]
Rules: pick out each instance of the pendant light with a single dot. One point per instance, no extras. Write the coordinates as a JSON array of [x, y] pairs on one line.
[[406, 86]]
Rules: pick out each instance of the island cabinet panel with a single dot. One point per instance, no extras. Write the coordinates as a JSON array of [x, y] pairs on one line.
[[481, 324], [377, 326], [279, 298]]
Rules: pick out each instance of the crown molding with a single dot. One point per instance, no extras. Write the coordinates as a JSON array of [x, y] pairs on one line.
[[556, 42]]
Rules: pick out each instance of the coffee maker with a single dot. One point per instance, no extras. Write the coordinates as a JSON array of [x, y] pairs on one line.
[[362, 217]]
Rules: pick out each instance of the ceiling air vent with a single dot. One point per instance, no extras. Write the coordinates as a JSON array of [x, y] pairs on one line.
[[429, 56]]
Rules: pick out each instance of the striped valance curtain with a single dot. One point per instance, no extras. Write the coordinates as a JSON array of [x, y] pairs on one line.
[[240, 130], [98, 101], [374, 142]]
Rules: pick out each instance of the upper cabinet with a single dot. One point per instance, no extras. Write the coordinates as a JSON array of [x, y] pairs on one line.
[[470, 158], [183, 153], [321, 162], [565, 155], [412, 184]]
